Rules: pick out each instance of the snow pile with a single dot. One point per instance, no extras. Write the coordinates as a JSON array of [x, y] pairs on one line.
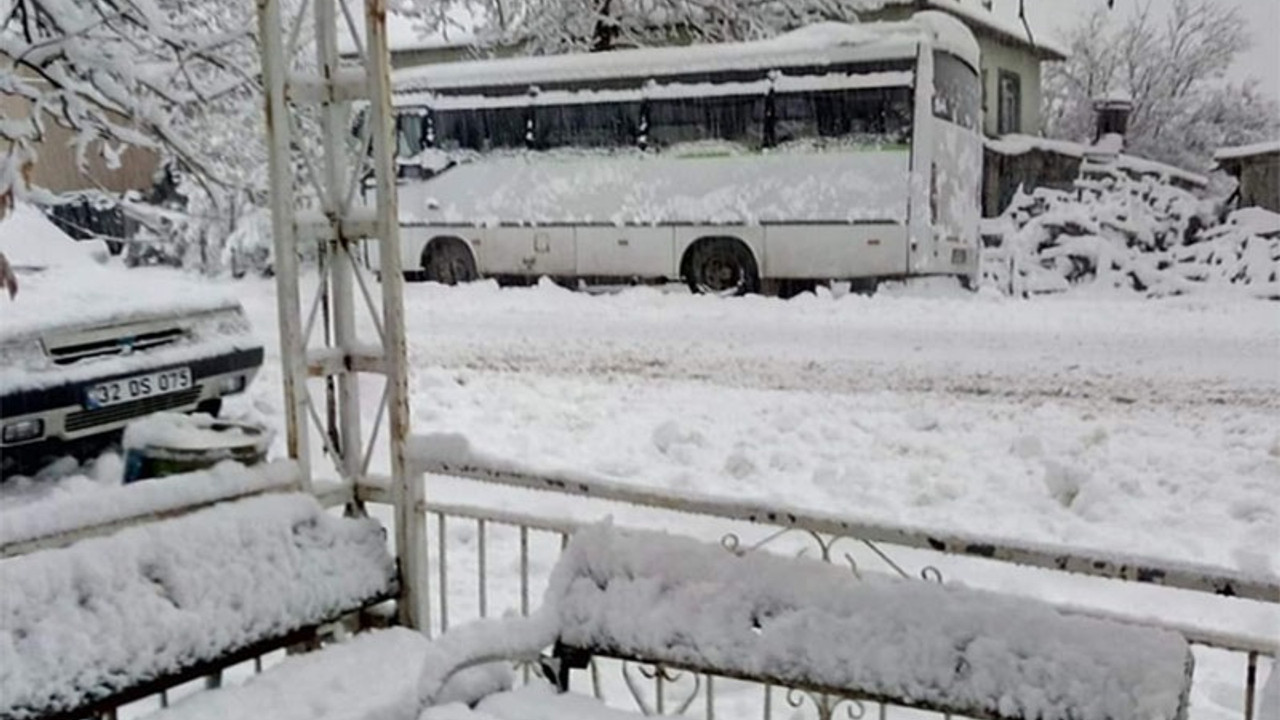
[[677, 600], [370, 676], [475, 656], [180, 431], [1243, 251], [66, 513], [1119, 233], [531, 702], [85, 621]]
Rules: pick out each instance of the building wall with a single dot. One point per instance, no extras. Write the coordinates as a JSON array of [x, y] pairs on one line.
[[1003, 175], [1260, 182], [56, 168], [997, 56]]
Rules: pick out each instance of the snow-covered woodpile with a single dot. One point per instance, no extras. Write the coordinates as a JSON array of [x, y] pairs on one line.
[[1119, 233]]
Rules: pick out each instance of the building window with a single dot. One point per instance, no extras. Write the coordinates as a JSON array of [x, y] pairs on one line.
[[1010, 98]]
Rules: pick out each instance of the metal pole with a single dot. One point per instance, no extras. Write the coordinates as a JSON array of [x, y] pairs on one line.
[[410, 496], [292, 353], [333, 125]]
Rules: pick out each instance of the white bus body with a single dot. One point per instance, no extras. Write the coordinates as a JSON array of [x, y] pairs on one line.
[[823, 154]]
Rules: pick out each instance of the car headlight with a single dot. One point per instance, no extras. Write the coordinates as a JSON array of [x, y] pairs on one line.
[[231, 385], [23, 430], [23, 355]]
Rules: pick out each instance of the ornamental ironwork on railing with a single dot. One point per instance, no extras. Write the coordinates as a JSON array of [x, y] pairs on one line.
[[487, 561]]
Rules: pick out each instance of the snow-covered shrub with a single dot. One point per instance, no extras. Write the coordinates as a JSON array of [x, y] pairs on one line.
[[1123, 233]]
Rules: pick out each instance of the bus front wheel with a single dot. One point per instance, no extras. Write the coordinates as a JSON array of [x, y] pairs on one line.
[[448, 262], [721, 266]]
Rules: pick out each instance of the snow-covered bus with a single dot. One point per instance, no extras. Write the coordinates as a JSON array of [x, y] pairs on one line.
[[835, 152]]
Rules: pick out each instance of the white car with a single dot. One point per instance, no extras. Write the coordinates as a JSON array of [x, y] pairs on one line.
[[86, 347]]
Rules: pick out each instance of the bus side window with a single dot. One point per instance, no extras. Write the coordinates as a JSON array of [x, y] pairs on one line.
[[505, 127], [873, 116], [586, 125], [795, 117], [737, 119]]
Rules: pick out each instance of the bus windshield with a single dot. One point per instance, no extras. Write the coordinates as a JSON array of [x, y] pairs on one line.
[[957, 92]]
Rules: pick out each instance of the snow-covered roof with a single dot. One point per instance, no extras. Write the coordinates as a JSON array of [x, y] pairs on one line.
[[635, 188], [1021, 144], [1243, 151], [983, 20], [820, 44]]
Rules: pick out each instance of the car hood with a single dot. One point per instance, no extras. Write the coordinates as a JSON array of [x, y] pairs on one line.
[[62, 285]]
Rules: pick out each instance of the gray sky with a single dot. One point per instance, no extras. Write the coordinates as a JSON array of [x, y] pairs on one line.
[[1261, 61]]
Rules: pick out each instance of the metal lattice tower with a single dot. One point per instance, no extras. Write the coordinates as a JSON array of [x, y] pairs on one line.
[[323, 207]]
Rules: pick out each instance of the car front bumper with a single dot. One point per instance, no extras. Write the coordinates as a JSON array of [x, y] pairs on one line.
[[70, 423]]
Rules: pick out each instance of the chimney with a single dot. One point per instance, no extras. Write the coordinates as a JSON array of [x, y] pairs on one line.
[[1112, 115]]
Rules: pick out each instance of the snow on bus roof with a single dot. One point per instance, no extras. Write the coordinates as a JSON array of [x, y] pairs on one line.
[[819, 44], [984, 20]]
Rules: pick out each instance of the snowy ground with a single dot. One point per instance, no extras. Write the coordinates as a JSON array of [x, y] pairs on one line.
[[1106, 422]]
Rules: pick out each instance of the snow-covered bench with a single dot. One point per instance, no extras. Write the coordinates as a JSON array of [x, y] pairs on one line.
[[108, 620], [659, 599]]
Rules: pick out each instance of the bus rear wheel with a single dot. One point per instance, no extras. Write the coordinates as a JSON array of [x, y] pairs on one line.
[[448, 262], [722, 266]]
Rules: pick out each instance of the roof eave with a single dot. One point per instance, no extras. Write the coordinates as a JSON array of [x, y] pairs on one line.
[[1043, 53]]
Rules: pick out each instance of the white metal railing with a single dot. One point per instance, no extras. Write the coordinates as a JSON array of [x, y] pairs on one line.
[[471, 540], [486, 561]]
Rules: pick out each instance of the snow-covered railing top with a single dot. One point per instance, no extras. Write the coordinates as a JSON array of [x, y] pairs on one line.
[[677, 601], [804, 624], [87, 622], [448, 454], [65, 520], [821, 44]]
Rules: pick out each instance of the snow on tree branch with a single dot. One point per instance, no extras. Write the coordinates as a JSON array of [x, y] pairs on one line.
[[556, 26], [1173, 68], [115, 70]]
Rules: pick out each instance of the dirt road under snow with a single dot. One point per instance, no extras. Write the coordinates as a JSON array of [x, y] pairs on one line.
[[1127, 351]]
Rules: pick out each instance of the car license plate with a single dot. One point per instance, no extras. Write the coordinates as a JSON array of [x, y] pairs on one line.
[[137, 387]]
